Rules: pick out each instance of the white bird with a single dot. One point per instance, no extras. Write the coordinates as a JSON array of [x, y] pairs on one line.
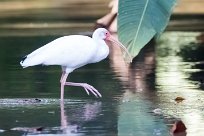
[[72, 52]]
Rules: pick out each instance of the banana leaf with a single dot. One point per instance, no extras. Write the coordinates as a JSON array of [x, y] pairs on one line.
[[140, 20]]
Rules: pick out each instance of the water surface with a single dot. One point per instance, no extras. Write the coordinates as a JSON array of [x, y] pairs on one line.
[[165, 69]]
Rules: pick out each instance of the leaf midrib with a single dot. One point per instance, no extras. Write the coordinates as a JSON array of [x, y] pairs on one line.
[[141, 20]]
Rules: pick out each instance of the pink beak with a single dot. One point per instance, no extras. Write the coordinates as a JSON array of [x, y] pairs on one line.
[[112, 39]]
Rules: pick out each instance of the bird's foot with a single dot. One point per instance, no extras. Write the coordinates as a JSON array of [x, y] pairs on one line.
[[88, 88]]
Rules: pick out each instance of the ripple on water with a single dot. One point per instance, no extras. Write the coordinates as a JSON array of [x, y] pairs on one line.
[[34, 101]]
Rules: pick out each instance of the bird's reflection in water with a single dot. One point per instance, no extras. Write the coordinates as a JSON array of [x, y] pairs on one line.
[[74, 121], [82, 116], [64, 122]]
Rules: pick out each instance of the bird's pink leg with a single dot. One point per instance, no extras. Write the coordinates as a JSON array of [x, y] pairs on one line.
[[62, 76], [63, 80], [86, 86]]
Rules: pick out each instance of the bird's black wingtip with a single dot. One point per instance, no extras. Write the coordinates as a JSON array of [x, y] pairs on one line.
[[22, 60]]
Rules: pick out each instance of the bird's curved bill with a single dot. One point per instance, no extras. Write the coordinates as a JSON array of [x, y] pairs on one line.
[[112, 39]]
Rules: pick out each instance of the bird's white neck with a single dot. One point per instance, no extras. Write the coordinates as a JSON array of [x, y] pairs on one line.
[[102, 49]]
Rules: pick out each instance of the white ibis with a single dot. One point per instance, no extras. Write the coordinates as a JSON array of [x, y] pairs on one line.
[[72, 52]]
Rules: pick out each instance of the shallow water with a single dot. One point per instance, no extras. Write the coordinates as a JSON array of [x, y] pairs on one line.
[[165, 69]]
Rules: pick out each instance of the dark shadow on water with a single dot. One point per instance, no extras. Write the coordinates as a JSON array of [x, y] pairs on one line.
[[193, 53]]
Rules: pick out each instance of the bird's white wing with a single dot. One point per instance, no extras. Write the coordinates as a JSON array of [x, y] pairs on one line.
[[72, 51]]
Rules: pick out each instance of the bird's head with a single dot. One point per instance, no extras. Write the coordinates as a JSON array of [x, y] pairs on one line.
[[103, 34]]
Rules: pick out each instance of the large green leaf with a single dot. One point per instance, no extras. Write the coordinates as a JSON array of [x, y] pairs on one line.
[[140, 20]]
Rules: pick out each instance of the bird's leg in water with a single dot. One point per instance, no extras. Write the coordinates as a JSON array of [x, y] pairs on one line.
[[86, 86]]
